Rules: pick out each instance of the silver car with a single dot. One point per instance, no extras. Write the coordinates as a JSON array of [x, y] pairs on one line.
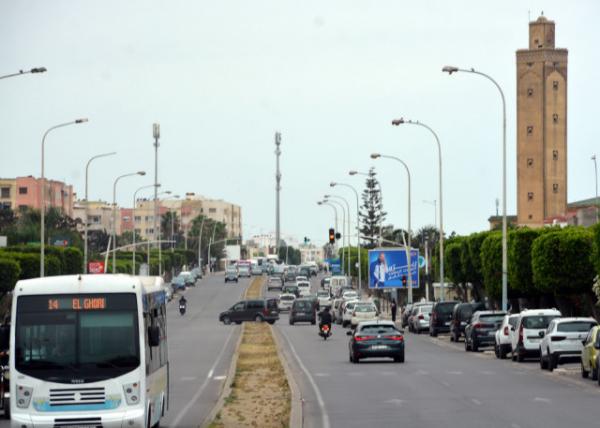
[[420, 318]]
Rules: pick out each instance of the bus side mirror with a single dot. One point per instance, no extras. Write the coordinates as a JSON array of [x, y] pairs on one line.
[[153, 336], [4, 337]]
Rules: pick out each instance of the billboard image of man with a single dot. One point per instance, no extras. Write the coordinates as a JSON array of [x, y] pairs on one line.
[[379, 271]]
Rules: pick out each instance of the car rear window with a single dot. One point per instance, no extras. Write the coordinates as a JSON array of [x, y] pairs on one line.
[[302, 304], [425, 309], [491, 317], [538, 321], [445, 308], [578, 326], [365, 308], [378, 329], [287, 298], [323, 293]]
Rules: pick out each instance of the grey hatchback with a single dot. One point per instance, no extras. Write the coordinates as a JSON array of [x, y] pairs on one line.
[[303, 310]]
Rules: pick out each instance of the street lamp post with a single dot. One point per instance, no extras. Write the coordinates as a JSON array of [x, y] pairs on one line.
[[409, 249], [348, 225], [114, 217], [43, 193], [344, 236], [86, 223], [200, 243], [22, 72], [401, 121], [434, 203], [333, 184], [596, 175], [133, 217], [450, 70], [209, 245]]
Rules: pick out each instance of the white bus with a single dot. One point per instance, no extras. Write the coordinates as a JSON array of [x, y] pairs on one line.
[[88, 351]]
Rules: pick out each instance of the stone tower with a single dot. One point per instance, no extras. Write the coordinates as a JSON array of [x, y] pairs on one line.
[[541, 127]]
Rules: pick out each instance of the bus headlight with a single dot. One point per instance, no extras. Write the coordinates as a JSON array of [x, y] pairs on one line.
[[23, 396], [132, 393]]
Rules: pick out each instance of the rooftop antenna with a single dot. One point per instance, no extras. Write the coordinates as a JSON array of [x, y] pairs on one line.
[[529, 15], [497, 205]]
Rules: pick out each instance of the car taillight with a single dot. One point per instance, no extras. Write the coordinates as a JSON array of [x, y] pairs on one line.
[[434, 316], [505, 331], [396, 338], [265, 311], [521, 334], [557, 338], [421, 317], [363, 338]]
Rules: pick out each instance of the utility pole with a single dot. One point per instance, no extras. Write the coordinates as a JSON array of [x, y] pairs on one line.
[[156, 134], [427, 267], [277, 191]]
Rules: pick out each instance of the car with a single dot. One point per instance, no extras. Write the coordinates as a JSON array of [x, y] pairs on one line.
[[461, 314], [304, 271], [405, 314], [376, 339], [303, 287], [502, 337], [441, 314], [527, 338], [337, 282], [231, 274], [290, 275], [302, 278], [350, 295], [326, 282], [303, 310], [291, 289], [197, 272], [314, 299], [481, 329], [324, 298], [190, 280], [178, 283], [168, 293], [256, 270], [348, 307], [363, 311], [344, 289], [563, 341], [336, 314], [420, 317], [274, 282], [258, 310], [286, 300], [590, 355], [244, 271]]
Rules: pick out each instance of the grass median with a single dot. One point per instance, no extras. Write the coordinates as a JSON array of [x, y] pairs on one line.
[[260, 395]]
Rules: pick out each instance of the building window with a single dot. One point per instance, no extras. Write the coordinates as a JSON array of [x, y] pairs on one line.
[[22, 190], [529, 130], [555, 85], [127, 218], [529, 162], [555, 187], [529, 92], [95, 219], [212, 210], [530, 217], [5, 205], [138, 219], [5, 193], [554, 154], [530, 196], [555, 118]]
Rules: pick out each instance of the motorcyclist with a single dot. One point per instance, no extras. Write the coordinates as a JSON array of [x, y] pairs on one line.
[[325, 318], [183, 301]]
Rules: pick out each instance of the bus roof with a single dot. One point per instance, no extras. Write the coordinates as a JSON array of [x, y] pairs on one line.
[[106, 283]]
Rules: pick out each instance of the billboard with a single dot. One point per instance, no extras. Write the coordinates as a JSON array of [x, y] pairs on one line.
[[95, 267], [334, 266], [233, 252], [387, 266]]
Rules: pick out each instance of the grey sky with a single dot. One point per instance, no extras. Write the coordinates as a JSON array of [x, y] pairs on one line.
[[222, 76]]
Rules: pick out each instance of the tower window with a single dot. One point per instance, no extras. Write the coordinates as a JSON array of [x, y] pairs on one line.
[[555, 187], [530, 216], [555, 118], [529, 130], [555, 85], [536, 42], [530, 196], [554, 154], [529, 162], [529, 92]]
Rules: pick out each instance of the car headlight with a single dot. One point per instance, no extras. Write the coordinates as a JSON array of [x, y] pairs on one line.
[[132, 393], [24, 394]]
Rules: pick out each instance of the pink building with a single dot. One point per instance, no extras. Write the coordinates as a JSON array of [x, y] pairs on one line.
[[58, 194]]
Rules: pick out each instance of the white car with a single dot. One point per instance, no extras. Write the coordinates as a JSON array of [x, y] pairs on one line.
[[274, 282], [363, 311], [529, 331], [350, 295], [338, 282], [420, 318], [336, 313], [324, 298], [303, 288], [286, 301], [347, 312], [504, 334], [563, 341], [301, 278]]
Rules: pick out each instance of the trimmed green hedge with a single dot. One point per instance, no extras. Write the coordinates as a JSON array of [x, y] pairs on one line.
[[9, 274]]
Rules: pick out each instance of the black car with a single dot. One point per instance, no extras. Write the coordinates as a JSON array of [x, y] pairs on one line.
[[303, 310], [251, 310], [480, 331], [461, 314], [441, 315], [325, 281], [376, 339], [291, 289]]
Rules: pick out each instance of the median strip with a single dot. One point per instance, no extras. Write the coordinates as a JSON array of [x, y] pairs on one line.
[[259, 392]]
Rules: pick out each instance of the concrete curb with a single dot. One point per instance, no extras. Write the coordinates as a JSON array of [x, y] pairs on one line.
[[296, 416]]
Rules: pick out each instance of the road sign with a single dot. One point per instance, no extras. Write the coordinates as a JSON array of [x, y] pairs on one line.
[[96, 267], [422, 262], [387, 266]]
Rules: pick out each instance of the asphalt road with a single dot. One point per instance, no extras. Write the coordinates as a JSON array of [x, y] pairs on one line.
[[439, 385]]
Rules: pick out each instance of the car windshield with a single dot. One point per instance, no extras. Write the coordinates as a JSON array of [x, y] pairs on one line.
[[323, 293], [365, 308], [350, 305], [445, 308], [179, 280], [575, 326], [491, 317], [425, 309], [78, 338], [538, 321], [231, 270], [378, 329]]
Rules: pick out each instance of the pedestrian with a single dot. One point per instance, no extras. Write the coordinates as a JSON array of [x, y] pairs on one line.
[[394, 308]]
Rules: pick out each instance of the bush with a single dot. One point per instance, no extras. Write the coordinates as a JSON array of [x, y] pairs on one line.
[[491, 264], [73, 261], [52, 265], [520, 273], [9, 274]]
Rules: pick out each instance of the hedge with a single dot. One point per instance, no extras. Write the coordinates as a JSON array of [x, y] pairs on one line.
[[9, 274]]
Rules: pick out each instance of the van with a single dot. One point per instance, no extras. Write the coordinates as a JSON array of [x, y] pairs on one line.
[[337, 282]]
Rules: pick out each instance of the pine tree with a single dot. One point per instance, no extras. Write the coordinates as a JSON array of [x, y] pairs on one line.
[[371, 214]]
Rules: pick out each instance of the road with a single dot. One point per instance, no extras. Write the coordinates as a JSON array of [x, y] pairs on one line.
[[439, 385]]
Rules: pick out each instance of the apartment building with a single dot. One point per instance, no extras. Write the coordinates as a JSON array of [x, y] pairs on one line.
[[99, 216], [26, 192]]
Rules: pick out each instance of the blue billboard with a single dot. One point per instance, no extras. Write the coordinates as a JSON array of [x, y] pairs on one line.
[[334, 266], [387, 266]]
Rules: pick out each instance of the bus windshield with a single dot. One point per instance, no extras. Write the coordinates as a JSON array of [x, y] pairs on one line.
[[77, 338]]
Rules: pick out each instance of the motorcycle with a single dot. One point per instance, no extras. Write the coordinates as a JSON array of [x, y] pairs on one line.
[[325, 331], [182, 308]]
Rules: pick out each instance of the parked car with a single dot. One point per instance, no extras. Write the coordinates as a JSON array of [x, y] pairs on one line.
[[348, 308], [256, 270], [376, 339], [231, 274], [178, 283], [503, 336], [324, 298], [420, 318], [563, 341], [286, 301], [303, 287], [528, 332], [405, 314], [251, 310], [590, 355], [461, 314], [274, 282], [481, 330], [197, 272], [326, 282], [336, 314], [363, 311], [190, 280], [291, 289], [441, 315], [244, 271], [303, 310]]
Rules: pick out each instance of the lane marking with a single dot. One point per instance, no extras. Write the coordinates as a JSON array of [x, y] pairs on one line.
[[318, 395], [421, 372], [219, 377], [321, 374], [396, 401], [445, 383], [542, 400], [200, 390], [476, 401], [456, 372]]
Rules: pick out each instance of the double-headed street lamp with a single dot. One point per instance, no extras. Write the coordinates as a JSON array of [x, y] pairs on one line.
[[86, 223], [348, 223], [333, 184], [22, 72], [401, 121], [451, 69], [409, 249], [139, 189], [114, 216], [43, 192]]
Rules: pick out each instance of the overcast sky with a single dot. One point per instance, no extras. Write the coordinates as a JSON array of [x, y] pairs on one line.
[[222, 76]]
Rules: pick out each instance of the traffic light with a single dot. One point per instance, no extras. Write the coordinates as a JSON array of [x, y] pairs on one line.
[[403, 280], [331, 236], [306, 240], [338, 235]]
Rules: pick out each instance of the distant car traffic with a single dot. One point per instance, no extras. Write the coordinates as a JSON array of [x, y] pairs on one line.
[[562, 341], [190, 280], [461, 314], [348, 308], [256, 270], [258, 310], [420, 318], [178, 283], [376, 339], [244, 271], [303, 287], [292, 289], [303, 310], [326, 282], [481, 330], [231, 274], [324, 298]]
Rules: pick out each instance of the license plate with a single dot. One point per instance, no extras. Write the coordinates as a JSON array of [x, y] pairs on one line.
[[300, 313], [447, 323], [379, 347]]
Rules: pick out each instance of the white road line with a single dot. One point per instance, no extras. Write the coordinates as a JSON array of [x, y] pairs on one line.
[[318, 395], [196, 396], [219, 377], [321, 374], [541, 400], [455, 372], [445, 383], [476, 401]]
